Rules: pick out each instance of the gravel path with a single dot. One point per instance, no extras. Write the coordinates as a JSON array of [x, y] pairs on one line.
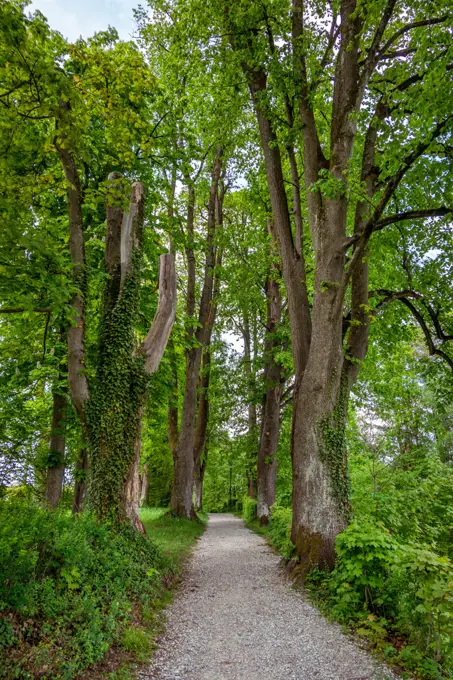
[[236, 618]]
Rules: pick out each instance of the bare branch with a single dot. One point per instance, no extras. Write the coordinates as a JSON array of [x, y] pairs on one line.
[[401, 217], [156, 340]]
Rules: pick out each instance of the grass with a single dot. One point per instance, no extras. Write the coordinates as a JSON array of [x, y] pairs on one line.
[[175, 537]]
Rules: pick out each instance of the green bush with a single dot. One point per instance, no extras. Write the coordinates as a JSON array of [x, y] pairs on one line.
[[249, 509], [67, 588], [279, 531]]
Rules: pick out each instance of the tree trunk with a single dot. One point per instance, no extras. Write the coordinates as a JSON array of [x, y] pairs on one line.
[[320, 474], [198, 482], [270, 426], [144, 484], [252, 436], [132, 488], [80, 484], [201, 428], [173, 410], [78, 383], [181, 500], [56, 464], [115, 407]]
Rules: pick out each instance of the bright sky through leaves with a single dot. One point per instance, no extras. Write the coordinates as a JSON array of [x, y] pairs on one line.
[[85, 17]]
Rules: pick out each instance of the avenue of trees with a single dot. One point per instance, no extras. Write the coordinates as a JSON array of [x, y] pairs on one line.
[[225, 281]]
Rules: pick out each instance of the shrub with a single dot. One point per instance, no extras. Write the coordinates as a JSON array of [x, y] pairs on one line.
[[67, 588], [249, 509], [279, 531]]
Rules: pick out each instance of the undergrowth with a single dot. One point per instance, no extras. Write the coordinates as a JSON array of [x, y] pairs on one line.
[[397, 596], [71, 588]]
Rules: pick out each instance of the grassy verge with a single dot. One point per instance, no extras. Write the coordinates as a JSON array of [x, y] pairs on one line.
[[84, 600]]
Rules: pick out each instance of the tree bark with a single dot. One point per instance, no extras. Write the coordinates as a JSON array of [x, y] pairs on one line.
[[201, 428], [56, 465], [78, 383], [173, 409], [252, 436], [181, 500], [270, 424], [320, 476], [120, 389], [80, 484]]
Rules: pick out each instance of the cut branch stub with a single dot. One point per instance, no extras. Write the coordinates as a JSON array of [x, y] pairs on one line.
[[156, 340]]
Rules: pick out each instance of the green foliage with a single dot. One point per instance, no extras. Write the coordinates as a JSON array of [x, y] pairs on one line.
[[279, 531], [68, 587], [249, 509]]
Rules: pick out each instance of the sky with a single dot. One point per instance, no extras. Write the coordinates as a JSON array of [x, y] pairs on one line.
[[84, 17]]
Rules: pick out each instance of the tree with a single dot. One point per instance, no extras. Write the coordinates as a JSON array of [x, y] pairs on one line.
[[378, 66]]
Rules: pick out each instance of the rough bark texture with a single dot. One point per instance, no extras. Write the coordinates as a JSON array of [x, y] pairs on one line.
[[173, 410], [78, 384], [199, 461], [270, 424], [181, 499], [123, 369], [320, 484], [320, 487], [133, 487], [56, 464], [80, 484]]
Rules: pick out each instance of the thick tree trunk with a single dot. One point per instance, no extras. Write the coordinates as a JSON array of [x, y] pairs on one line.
[[181, 500], [320, 475], [201, 429], [132, 487], [173, 409], [270, 425], [80, 484], [115, 408], [56, 464], [198, 482]]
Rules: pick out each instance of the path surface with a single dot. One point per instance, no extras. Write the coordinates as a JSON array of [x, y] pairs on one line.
[[236, 618]]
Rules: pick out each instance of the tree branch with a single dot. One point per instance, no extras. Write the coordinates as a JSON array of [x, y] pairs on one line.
[[410, 27], [19, 310], [156, 340], [401, 217]]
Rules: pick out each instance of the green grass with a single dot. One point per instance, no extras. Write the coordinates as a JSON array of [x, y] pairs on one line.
[[175, 537]]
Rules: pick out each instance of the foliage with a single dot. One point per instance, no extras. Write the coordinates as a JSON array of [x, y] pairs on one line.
[[71, 587], [68, 587], [249, 507], [279, 531]]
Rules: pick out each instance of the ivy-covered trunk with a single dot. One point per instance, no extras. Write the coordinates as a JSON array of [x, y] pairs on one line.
[[270, 424], [114, 409]]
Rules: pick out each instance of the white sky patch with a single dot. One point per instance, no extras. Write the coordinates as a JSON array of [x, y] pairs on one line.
[[86, 17], [432, 254]]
